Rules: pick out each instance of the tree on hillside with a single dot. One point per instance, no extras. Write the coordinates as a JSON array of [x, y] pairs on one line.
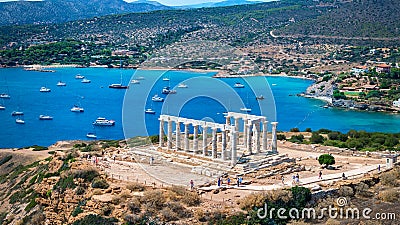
[[316, 138], [326, 159]]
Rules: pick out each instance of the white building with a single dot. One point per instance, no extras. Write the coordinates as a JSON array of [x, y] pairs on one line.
[[396, 103]]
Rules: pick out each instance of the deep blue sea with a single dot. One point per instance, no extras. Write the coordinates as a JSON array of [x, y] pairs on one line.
[[205, 98]]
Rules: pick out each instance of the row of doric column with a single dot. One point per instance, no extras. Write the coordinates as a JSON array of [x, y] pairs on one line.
[[255, 135]]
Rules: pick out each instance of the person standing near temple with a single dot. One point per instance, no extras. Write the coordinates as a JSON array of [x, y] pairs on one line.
[[191, 185]]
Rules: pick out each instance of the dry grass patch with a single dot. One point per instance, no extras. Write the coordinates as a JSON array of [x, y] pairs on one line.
[[389, 195]]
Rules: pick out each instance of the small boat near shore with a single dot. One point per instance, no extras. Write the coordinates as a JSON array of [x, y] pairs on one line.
[[135, 82], [238, 85], [4, 95], [17, 113], [44, 89], [77, 109], [245, 109], [157, 98], [20, 121], [165, 79], [61, 84], [91, 135], [101, 121], [261, 97], [45, 117]]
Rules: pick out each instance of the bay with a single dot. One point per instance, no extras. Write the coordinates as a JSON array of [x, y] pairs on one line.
[[100, 101]]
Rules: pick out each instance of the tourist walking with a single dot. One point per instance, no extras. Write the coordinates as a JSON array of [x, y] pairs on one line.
[[237, 181], [320, 175], [283, 180], [228, 181], [191, 185], [379, 168], [219, 182]]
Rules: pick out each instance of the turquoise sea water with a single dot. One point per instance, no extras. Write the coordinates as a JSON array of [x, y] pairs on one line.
[[205, 98]]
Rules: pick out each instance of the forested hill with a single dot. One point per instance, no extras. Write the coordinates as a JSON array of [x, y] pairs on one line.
[[354, 19], [57, 11]]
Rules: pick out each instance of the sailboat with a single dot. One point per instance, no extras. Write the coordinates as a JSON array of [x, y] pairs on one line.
[[245, 109], [118, 86]]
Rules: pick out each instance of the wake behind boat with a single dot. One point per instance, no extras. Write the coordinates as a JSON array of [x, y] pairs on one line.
[[101, 121]]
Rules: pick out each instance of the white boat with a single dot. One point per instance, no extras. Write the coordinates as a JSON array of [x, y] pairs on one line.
[[78, 76], [85, 80], [150, 111], [20, 121], [2, 107], [182, 85], [273, 84], [60, 83], [166, 91], [165, 79], [245, 109], [77, 109], [157, 98], [4, 95], [91, 135], [44, 89], [238, 85], [45, 117], [17, 113], [101, 121], [135, 82]]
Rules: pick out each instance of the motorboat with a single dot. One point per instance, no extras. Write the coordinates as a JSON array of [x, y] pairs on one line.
[[78, 76], [4, 95], [17, 113], [45, 117], [182, 85], [77, 109], [165, 79], [150, 111], [166, 91], [101, 121], [2, 107], [118, 86], [261, 97], [20, 121], [135, 82], [91, 135], [44, 89], [157, 98], [245, 109], [238, 85], [85, 80], [60, 83]]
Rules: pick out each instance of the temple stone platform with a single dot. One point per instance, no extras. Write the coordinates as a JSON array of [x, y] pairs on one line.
[[241, 145]]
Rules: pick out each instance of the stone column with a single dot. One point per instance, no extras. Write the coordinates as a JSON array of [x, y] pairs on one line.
[[237, 123], [245, 131], [265, 136], [195, 140], [186, 141], [227, 120], [169, 141], [249, 138], [274, 138], [257, 136], [161, 135], [178, 135], [223, 148], [205, 141], [214, 143], [234, 147]]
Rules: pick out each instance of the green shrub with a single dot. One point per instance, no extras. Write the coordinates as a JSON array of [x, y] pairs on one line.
[[5, 159], [95, 219], [87, 174], [295, 129], [64, 183], [326, 159], [77, 211], [316, 138], [281, 137], [100, 183]]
